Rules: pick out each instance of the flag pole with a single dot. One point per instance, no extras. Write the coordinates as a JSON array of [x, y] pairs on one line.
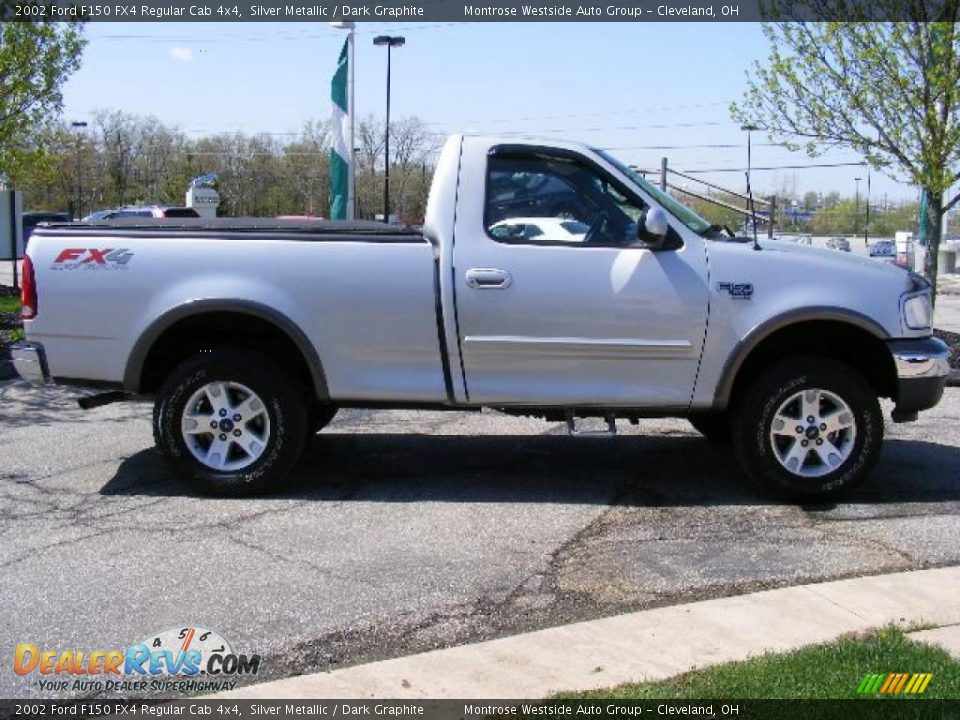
[[351, 204], [352, 167]]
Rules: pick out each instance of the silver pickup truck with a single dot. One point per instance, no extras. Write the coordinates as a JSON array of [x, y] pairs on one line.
[[549, 279]]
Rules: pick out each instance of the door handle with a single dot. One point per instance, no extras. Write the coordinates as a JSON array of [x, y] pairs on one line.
[[488, 279]]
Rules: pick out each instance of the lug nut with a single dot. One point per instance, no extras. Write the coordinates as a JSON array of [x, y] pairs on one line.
[[819, 441], [823, 426], [799, 429], [237, 418], [213, 423], [223, 413], [810, 418], [223, 436], [237, 433], [804, 443]]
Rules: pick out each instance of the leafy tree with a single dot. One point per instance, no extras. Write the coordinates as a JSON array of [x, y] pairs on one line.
[[890, 91], [36, 58]]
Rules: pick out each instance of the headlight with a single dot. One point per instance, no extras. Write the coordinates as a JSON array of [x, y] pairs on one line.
[[917, 314]]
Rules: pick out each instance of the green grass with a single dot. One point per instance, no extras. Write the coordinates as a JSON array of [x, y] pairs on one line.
[[830, 671], [10, 304]]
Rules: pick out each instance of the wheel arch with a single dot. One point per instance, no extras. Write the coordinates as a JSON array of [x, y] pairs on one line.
[[151, 355], [839, 333]]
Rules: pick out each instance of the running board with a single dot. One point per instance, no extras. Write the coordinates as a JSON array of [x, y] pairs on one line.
[[572, 430]]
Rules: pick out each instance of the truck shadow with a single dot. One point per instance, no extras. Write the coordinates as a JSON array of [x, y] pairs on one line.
[[634, 470]]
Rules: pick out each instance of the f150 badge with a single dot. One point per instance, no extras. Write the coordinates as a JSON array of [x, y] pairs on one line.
[[109, 258], [739, 291]]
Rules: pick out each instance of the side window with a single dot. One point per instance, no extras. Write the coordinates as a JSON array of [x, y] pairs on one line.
[[552, 201]]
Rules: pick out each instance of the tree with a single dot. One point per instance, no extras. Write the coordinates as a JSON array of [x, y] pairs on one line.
[[890, 91], [36, 58]]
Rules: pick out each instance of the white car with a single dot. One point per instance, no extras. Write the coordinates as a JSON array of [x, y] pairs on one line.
[[543, 228]]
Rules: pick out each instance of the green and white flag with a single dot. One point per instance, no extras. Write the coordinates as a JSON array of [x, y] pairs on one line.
[[340, 151]]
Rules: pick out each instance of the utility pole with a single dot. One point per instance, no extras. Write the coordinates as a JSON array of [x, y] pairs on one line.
[[79, 126], [856, 208]]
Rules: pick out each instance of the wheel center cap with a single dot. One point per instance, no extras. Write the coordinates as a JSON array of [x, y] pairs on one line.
[[812, 433], [226, 425]]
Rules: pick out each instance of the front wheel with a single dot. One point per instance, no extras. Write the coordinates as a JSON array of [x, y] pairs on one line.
[[230, 422], [809, 428]]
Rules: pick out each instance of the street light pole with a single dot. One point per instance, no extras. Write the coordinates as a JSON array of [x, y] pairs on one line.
[[79, 126], [389, 42], [866, 225], [856, 208]]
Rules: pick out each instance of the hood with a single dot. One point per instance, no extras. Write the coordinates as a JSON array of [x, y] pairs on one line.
[[836, 261]]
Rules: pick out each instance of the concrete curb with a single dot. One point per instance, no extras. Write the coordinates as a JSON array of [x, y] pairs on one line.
[[953, 379], [648, 645]]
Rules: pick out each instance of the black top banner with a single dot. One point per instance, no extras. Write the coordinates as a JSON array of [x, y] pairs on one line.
[[359, 11]]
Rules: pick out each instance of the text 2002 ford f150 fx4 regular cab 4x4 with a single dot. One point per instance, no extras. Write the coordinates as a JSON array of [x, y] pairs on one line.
[[251, 333]]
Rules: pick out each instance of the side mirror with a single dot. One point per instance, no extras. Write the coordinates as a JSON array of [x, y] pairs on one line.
[[653, 232]]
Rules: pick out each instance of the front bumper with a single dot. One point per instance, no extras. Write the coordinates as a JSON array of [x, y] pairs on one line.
[[30, 361], [922, 370]]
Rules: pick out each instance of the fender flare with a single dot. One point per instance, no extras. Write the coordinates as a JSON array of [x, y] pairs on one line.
[[133, 372], [768, 327]]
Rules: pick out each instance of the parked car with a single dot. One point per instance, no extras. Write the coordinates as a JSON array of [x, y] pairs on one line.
[[143, 211], [839, 243], [245, 364], [30, 220], [546, 229], [884, 250]]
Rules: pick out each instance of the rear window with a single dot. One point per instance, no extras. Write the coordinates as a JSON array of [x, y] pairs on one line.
[[180, 213]]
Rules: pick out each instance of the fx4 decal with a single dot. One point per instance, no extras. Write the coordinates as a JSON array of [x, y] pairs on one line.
[[740, 291], [109, 258]]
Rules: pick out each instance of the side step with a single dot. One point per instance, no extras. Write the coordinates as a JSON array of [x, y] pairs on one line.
[[572, 430]]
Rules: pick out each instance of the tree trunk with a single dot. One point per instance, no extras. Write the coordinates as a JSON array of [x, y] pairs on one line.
[[934, 220]]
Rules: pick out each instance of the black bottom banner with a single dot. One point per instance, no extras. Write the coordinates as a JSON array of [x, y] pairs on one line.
[[869, 709]]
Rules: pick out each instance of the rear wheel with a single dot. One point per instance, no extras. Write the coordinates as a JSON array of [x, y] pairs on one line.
[[230, 422], [809, 428]]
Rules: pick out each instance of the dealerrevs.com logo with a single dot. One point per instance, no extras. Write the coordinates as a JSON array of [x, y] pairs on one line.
[[182, 659]]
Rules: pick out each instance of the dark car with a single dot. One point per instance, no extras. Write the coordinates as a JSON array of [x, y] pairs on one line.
[[30, 221]]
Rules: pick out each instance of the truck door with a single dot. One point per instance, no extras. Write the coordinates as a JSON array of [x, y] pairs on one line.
[[557, 304]]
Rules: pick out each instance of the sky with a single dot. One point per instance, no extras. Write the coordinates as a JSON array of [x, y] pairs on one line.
[[628, 87]]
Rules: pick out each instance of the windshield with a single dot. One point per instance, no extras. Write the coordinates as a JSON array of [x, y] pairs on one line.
[[680, 211]]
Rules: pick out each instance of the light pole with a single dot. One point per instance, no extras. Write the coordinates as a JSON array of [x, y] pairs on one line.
[[753, 210], [390, 42], [866, 225], [856, 207], [79, 126]]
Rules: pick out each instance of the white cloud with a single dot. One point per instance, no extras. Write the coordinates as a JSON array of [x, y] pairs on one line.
[[182, 54]]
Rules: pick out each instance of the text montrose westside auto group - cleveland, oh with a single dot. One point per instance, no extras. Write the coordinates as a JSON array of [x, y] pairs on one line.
[[708, 11]]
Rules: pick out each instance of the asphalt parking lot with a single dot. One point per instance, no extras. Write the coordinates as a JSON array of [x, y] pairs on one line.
[[408, 530]]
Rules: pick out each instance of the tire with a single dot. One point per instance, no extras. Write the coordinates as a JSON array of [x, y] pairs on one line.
[[715, 427], [776, 458], [261, 418]]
